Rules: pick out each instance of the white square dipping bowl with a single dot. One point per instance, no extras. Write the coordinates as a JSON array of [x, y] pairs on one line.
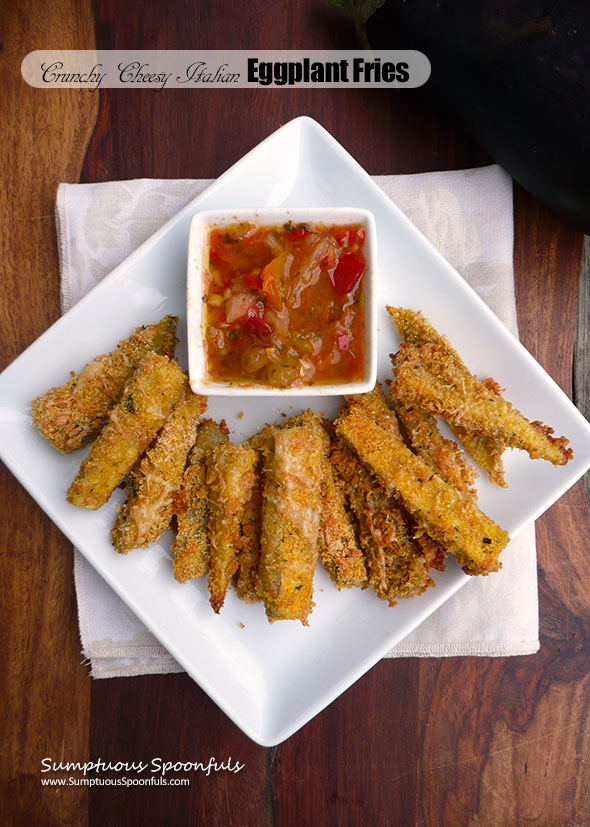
[[201, 223]]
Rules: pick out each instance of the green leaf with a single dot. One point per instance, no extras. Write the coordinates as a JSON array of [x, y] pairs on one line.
[[361, 9]]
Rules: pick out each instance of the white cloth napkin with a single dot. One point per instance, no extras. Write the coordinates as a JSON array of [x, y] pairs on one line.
[[467, 214]]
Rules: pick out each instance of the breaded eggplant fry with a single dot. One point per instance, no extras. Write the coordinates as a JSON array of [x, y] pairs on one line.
[[456, 522], [72, 415], [414, 328], [339, 551], [262, 440], [428, 376], [230, 477], [146, 513], [148, 397], [291, 519], [443, 455], [434, 553], [191, 506], [396, 565], [487, 452], [377, 406], [246, 577]]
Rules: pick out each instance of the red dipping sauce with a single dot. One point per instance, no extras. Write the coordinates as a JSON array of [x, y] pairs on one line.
[[284, 304]]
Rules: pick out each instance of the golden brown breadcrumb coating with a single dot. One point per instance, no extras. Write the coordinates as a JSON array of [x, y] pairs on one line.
[[291, 519], [442, 454], [425, 375], [396, 565], [376, 404], [387, 530], [148, 397], [339, 550], [145, 515], [486, 451], [191, 506], [230, 477], [72, 415], [455, 521], [246, 578]]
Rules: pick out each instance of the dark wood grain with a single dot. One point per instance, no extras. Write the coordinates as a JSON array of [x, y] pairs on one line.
[[582, 346], [425, 742], [44, 690], [128, 727], [332, 773]]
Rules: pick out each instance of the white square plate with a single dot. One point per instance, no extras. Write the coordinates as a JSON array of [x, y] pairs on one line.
[[271, 680]]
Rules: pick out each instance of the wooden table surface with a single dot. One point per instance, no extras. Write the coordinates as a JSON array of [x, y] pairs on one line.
[[474, 741]]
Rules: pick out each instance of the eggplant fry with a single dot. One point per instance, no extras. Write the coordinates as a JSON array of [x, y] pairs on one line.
[[72, 415], [486, 451], [191, 506], [146, 513], [433, 551], [339, 551], [291, 519], [262, 441], [246, 577], [443, 455], [428, 376], [148, 397], [456, 522], [230, 477], [385, 533], [415, 329], [377, 406], [396, 566]]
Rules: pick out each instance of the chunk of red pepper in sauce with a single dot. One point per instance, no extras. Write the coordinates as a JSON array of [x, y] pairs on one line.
[[255, 324], [252, 282], [349, 271], [298, 233]]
